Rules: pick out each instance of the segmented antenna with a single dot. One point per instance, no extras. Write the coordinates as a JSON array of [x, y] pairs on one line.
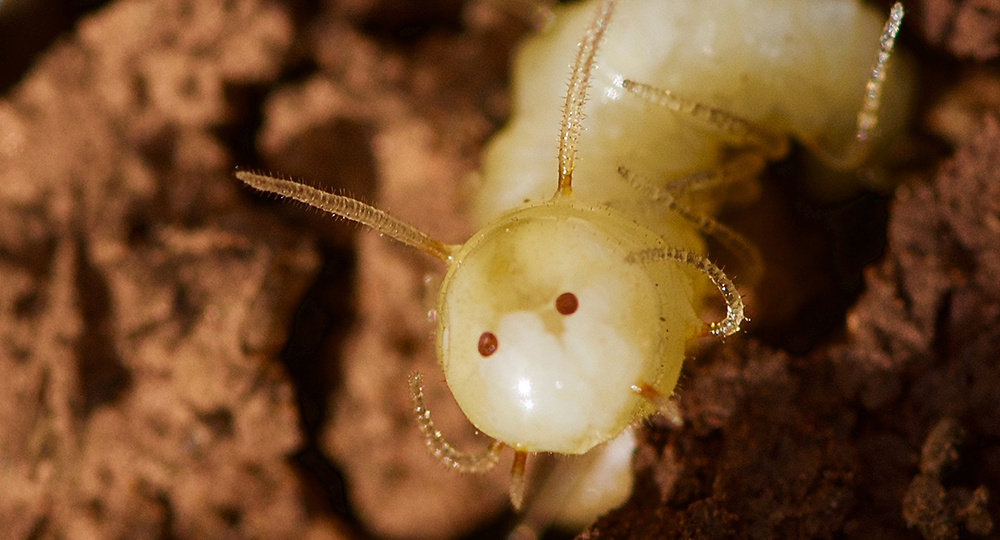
[[868, 116], [348, 208], [576, 96], [857, 150], [440, 448]]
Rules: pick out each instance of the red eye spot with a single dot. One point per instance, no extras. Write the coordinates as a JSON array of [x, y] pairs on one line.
[[567, 303], [488, 344]]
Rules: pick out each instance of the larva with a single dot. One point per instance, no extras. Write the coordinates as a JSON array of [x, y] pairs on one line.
[[565, 318]]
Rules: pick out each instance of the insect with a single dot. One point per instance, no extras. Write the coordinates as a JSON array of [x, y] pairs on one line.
[[565, 319]]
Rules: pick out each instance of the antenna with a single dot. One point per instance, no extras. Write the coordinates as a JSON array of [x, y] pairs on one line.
[[576, 96]]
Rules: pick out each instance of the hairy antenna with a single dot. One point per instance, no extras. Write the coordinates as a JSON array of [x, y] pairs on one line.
[[455, 459], [576, 96], [348, 208], [857, 150], [868, 117]]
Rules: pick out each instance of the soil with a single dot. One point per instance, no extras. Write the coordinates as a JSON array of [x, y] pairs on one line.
[[182, 358]]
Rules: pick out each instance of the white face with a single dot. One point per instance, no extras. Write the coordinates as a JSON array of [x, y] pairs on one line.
[[544, 330]]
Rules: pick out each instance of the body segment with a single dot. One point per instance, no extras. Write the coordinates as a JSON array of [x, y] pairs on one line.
[[797, 68]]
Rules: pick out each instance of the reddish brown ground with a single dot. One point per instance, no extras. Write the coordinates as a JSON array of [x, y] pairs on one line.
[[179, 359]]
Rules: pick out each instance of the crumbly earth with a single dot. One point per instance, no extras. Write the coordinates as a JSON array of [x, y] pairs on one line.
[[182, 359]]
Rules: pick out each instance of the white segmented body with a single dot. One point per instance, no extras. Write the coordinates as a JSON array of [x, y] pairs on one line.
[[797, 68]]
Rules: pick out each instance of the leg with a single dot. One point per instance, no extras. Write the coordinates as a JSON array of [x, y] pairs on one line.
[[739, 169], [740, 131], [748, 255], [573, 491], [667, 407], [518, 481], [734, 302]]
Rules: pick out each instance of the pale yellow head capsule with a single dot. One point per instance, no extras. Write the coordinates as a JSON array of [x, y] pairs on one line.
[[545, 325]]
